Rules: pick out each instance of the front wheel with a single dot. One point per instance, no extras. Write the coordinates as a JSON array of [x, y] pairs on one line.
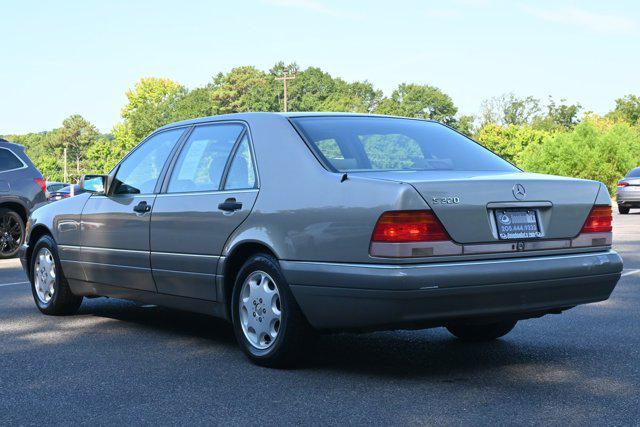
[[477, 332], [268, 324], [11, 233], [49, 287], [622, 210]]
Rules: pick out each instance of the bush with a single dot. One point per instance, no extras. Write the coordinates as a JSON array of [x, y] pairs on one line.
[[590, 151], [509, 142]]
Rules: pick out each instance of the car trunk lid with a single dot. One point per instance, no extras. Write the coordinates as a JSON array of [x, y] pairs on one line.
[[467, 202]]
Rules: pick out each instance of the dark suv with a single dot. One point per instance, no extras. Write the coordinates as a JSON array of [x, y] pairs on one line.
[[22, 189]]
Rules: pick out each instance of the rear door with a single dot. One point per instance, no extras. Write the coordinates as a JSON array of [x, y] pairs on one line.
[[115, 227], [209, 191]]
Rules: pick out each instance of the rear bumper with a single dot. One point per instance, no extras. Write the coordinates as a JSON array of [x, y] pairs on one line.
[[363, 296], [628, 197]]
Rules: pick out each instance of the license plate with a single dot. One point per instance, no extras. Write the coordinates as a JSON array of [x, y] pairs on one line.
[[517, 223]]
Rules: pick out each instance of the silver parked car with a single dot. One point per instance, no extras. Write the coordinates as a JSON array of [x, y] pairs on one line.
[[628, 194], [287, 224]]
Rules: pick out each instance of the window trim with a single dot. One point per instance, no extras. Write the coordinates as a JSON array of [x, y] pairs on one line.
[[223, 179], [24, 165], [114, 172], [232, 156]]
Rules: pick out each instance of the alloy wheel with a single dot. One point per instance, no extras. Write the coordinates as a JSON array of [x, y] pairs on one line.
[[44, 275], [10, 234], [260, 310]]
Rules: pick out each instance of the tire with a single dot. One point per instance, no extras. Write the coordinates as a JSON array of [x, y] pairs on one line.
[[622, 210], [11, 233], [478, 332], [51, 292], [277, 341]]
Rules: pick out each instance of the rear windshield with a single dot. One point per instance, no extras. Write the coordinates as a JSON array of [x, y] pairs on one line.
[[352, 144], [635, 173]]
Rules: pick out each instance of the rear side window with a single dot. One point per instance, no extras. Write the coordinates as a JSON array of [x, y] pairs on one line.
[[203, 158], [9, 161], [241, 174], [352, 144]]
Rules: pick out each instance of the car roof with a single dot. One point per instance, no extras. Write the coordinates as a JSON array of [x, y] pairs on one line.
[[255, 115], [636, 169], [10, 145]]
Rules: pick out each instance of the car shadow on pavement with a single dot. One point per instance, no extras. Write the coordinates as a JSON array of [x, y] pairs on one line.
[[426, 353], [397, 354], [160, 319]]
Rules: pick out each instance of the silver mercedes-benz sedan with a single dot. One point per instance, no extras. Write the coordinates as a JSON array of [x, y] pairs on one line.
[[289, 224], [628, 193]]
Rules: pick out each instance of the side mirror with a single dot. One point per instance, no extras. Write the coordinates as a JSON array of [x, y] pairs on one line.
[[94, 183]]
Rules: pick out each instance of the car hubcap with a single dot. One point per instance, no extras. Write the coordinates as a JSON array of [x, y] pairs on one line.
[[44, 275], [10, 234], [260, 310]]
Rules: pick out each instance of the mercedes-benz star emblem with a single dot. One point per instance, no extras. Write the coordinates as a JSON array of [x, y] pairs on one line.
[[519, 192]]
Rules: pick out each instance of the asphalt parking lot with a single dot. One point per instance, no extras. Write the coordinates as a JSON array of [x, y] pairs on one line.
[[121, 363]]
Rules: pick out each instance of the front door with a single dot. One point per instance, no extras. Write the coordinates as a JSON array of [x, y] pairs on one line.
[[211, 190], [115, 226]]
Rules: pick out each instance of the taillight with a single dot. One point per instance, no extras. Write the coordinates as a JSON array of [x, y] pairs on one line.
[[408, 226], [41, 183], [598, 221], [623, 184]]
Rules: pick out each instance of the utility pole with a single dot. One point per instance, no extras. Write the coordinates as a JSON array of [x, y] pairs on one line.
[[284, 79], [65, 165]]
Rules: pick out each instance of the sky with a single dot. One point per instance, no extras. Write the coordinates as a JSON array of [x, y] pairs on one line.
[[79, 57]]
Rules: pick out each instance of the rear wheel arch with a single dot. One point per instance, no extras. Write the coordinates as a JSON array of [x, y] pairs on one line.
[[234, 262], [18, 208]]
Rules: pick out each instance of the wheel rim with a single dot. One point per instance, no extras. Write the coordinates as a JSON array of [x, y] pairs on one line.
[[260, 310], [10, 234], [44, 275]]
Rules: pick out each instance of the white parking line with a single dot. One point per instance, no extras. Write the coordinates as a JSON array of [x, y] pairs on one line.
[[630, 272], [14, 283]]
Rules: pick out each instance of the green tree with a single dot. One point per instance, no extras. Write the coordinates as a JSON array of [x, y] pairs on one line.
[[76, 136], [465, 124], [150, 104], [356, 97], [311, 89], [419, 101], [563, 115], [109, 150], [627, 109], [196, 103], [560, 116], [244, 89], [508, 109]]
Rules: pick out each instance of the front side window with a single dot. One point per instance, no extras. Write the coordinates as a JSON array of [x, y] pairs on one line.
[[352, 144], [203, 158], [241, 175], [9, 161], [139, 172]]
